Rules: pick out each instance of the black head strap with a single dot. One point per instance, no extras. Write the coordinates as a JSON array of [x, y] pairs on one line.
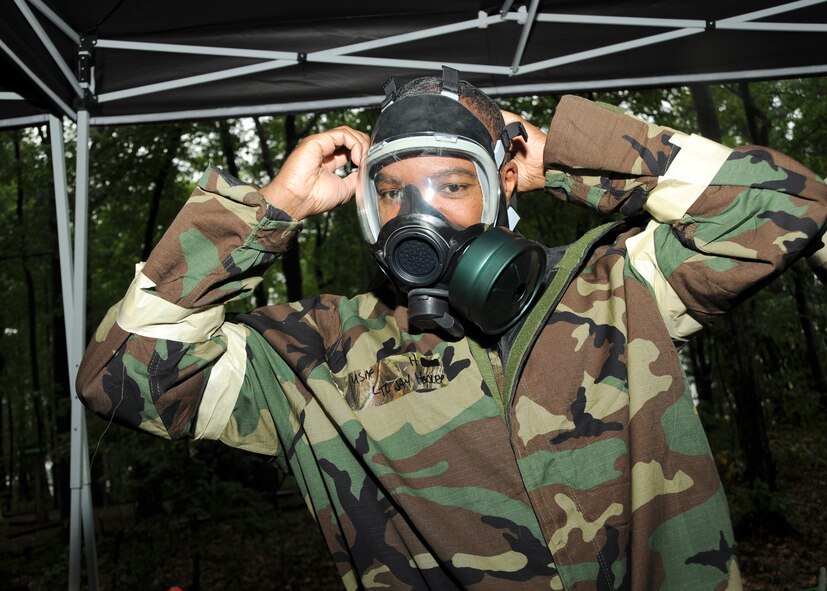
[[507, 135], [430, 113], [390, 93], [450, 82], [512, 130]]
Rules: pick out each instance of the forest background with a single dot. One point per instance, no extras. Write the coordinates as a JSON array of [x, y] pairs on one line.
[[202, 516]]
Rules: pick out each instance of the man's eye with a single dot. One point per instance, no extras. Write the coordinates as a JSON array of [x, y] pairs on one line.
[[454, 188], [390, 193]]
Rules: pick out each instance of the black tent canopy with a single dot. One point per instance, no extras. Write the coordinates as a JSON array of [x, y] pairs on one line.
[[130, 61], [133, 61]]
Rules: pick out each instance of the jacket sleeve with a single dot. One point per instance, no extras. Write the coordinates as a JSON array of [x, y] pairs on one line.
[[724, 222], [164, 359]]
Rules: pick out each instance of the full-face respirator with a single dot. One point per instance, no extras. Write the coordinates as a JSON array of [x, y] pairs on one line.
[[433, 212]]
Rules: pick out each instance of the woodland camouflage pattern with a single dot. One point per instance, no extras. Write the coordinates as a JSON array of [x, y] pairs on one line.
[[597, 476]]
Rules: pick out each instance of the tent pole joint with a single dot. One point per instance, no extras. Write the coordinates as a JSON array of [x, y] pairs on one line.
[[85, 71]]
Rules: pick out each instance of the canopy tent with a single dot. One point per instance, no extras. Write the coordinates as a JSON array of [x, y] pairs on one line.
[[133, 61], [129, 61]]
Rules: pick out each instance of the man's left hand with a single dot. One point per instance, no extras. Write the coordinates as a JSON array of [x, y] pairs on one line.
[[531, 173]]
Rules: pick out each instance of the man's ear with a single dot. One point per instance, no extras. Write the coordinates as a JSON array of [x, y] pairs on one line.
[[508, 176]]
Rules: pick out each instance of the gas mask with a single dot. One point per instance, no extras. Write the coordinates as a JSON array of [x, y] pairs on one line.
[[433, 212]]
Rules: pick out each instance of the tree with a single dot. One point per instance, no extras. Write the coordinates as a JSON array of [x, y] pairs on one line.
[[141, 175]]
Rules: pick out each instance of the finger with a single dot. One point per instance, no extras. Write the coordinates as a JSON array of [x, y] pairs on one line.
[[337, 160], [358, 153], [510, 117], [342, 144], [357, 143], [349, 186], [534, 132], [347, 137]]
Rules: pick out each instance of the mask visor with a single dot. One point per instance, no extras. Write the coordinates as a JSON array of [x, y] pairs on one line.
[[452, 176]]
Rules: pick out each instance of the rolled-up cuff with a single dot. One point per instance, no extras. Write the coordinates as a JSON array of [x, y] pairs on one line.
[[148, 315], [689, 174]]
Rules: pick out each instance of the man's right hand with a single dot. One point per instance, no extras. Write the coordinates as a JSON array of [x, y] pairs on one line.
[[307, 183]]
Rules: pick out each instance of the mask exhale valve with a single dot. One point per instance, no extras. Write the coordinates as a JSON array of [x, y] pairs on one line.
[[428, 310]]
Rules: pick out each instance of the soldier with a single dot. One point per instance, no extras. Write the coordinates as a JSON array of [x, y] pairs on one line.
[[440, 443]]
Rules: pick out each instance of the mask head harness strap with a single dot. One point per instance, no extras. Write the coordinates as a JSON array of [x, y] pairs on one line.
[[450, 83], [507, 135], [390, 93], [429, 113], [450, 89]]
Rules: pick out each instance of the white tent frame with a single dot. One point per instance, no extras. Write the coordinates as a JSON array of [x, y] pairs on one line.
[[73, 268], [73, 285], [347, 55]]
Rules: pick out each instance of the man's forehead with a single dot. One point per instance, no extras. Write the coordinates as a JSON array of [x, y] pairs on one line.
[[430, 165]]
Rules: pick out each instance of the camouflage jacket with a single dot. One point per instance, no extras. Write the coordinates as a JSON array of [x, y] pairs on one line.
[[594, 474]]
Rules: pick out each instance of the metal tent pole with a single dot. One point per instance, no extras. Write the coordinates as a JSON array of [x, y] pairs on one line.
[[518, 54], [49, 45], [79, 335], [65, 246], [73, 274]]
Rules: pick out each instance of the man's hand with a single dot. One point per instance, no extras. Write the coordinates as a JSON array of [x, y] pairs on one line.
[[531, 173], [307, 184]]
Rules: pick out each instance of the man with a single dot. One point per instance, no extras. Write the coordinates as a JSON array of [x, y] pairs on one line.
[[423, 470]]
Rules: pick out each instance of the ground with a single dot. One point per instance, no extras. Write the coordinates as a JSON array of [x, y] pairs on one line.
[[774, 561]]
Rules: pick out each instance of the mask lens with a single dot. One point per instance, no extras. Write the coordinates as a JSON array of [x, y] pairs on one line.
[[449, 185], [447, 176]]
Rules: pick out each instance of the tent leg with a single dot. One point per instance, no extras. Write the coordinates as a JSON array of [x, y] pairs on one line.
[[87, 511], [73, 281], [82, 524]]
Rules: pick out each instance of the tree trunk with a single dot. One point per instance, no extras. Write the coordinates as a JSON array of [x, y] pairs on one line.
[[322, 226], [41, 489], [290, 260], [13, 471], [749, 415], [228, 145], [815, 357], [170, 150], [61, 412], [4, 468], [39, 469], [707, 114], [701, 367], [757, 121]]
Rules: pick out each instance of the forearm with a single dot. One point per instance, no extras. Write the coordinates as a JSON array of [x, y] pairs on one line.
[[761, 213], [219, 245], [149, 363], [599, 157], [725, 222]]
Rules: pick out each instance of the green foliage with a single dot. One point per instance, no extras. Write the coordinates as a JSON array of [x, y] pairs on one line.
[[186, 493]]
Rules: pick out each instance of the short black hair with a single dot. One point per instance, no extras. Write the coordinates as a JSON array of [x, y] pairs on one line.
[[470, 96]]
